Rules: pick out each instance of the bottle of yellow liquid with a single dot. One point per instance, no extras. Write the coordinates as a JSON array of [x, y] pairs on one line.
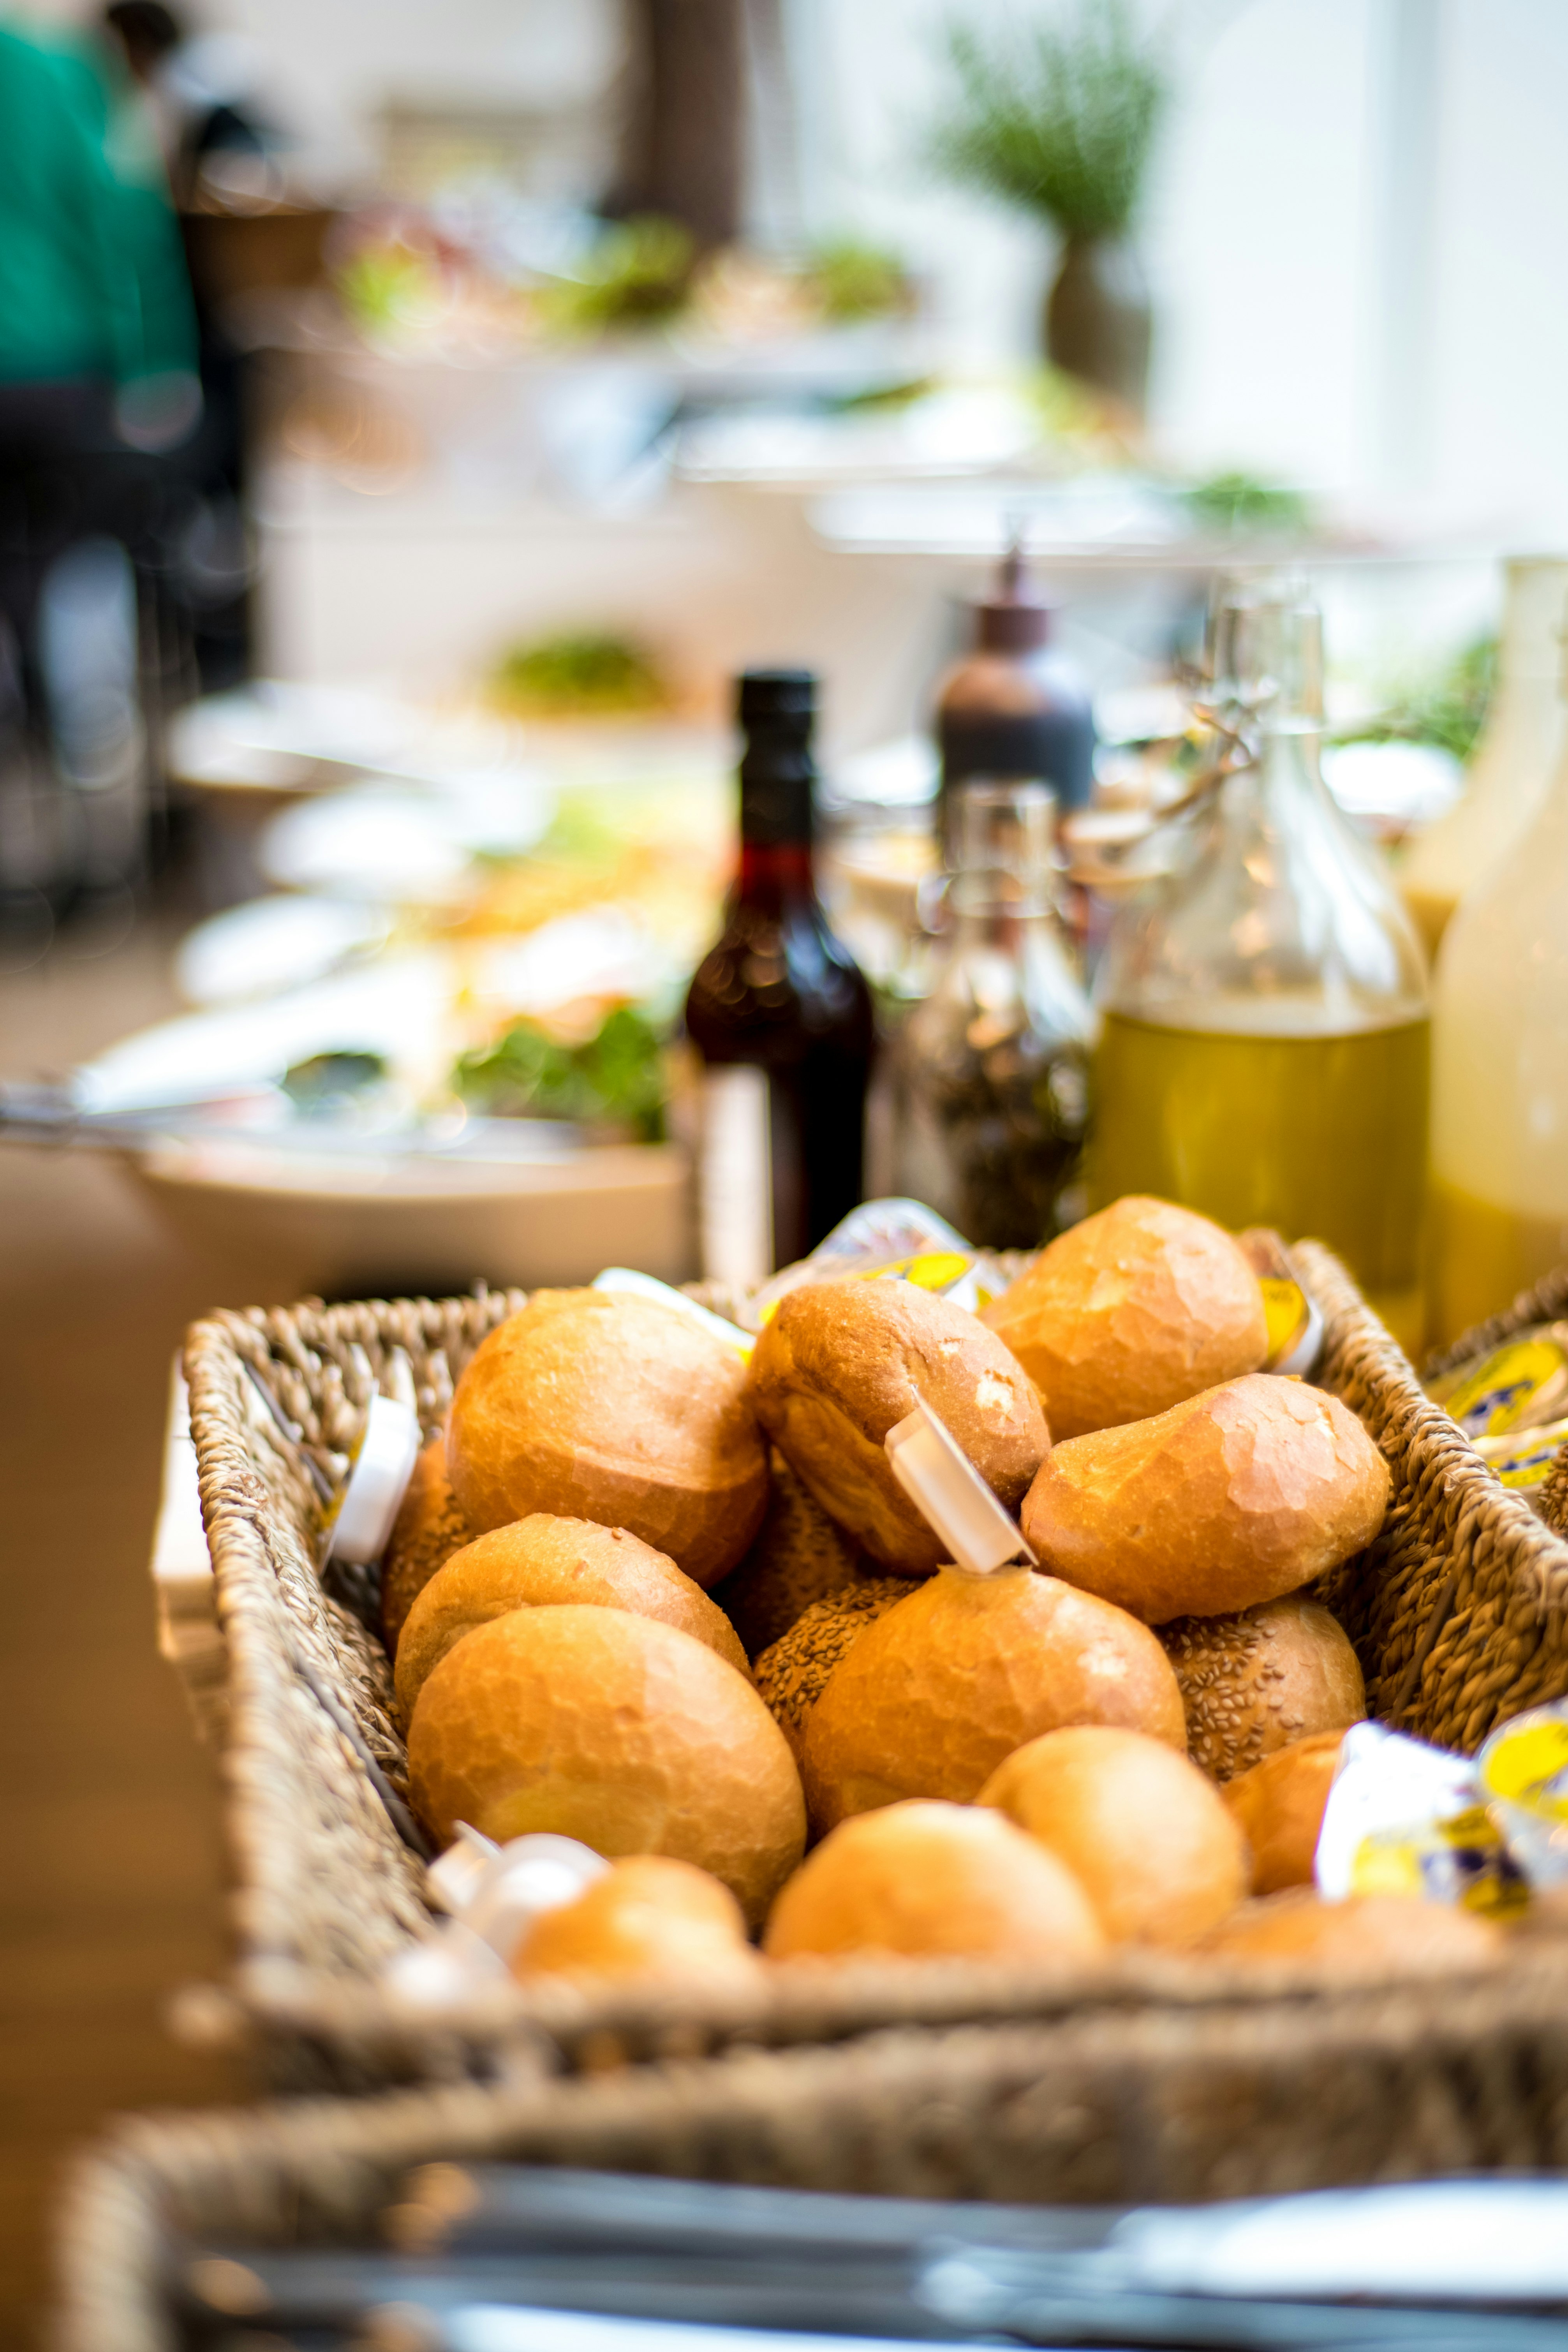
[[1514, 760], [1264, 1040], [1500, 1074]]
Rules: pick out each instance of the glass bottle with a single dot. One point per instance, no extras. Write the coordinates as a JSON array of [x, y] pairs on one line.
[[780, 1016], [1013, 707], [1500, 1077], [1264, 1035], [990, 1070], [1514, 760]]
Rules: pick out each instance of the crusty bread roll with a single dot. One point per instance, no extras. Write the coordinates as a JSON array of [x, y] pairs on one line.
[[611, 1728], [842, 1362], [929, 1879], [799, 1555], [793, 1672], [1253, 1683], [1279, 1805], [649, 1916], [1380, 1934], [1130, 1311], [1147, 1837], [540, 1562], [1231, 1498], [597, 1405], [428, 1528], [930, 1699]]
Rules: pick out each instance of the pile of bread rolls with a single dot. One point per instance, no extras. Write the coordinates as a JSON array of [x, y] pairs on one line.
[[649, 1595]]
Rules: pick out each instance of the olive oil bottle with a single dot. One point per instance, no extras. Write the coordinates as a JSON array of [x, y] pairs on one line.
[[1264, 1037]]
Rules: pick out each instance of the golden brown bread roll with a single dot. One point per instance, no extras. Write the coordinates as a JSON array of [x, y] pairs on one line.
[[614, 1729], [1254, 1682], [799, 1555], [649, 1916], [543, 1561], [793, 1672], [842, 1362], [1231, 1498], [932, 1879], [1279, 1805], [932, 1698], [1147, 1837], [1130, 1312], [428, 1528], [595, 1405], [1382, 1934]]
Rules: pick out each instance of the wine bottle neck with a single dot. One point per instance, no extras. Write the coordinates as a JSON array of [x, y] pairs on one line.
[[775, 874]]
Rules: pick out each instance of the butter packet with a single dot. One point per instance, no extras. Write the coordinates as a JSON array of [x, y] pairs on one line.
[[892, 1241], [1521, 1385], [1404, 1818], [1295, 1322], [1523, 1771]]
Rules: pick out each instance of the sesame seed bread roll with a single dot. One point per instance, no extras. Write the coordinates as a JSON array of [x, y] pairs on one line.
[[1230, 1498], [799, 1556], [792, 1674], [842, 1362], [592, 1404], [1253, 1683], [1130, 1312], [541, 1561]]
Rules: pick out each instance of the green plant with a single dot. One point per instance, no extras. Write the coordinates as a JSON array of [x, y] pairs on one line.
[[639, 270], [580, 675], [1060, 122], [1241, 502], [1447, 710], [616, 1079], [856, 281]]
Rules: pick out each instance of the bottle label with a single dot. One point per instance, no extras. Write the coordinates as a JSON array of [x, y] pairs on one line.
[[735, 1192]]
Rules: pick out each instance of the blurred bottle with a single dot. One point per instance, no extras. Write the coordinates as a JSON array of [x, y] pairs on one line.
[[1013, 708], [989, 1075], [781, 1016], [1500, 1076], [1264, 1038], [1512, 763]]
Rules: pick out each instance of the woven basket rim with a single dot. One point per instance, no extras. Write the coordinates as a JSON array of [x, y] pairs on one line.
[[290, 1992]]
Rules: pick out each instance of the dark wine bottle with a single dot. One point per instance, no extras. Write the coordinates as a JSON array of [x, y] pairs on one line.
[[781, 1016]]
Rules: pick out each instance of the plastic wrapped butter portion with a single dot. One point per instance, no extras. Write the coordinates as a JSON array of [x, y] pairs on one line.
[[1523, 1771], [1406, 1819], [1524, 1384]]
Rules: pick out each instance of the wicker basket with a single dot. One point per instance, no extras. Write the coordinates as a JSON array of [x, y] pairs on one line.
[[1093, 2110], [1459, 1612]]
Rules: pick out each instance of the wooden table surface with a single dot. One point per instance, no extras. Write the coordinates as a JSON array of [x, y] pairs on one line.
[[112, 1891]]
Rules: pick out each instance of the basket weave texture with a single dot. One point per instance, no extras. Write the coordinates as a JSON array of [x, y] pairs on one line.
[[1157, 2106], [1458, 1610]]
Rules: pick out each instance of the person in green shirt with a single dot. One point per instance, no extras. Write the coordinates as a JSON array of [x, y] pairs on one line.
[[97, 378]]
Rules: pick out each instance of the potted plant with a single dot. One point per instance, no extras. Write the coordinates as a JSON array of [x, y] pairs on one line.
[[1061, 123]]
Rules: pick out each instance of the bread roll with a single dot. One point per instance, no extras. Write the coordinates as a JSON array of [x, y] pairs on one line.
[[929, 1879], [792, 1674], [539, 1562], [428, 1528], [1231, 1498], [1130, 1312], [932, 1698], [1380, 1934], [1252, 1684], [649, 1916], [799, 1555], [1280, 1806], [595, 1405], [842, 1362], [1147, 1837], [614, 1729]]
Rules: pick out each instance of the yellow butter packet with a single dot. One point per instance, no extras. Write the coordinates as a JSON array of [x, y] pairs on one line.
[[1524, 1384]]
